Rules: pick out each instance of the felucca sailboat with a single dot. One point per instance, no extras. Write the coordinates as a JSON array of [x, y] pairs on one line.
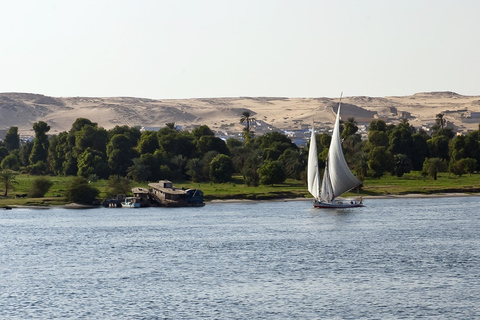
[[337, 178]]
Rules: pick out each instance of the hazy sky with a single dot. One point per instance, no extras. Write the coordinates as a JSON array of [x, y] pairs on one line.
[[221, 48]]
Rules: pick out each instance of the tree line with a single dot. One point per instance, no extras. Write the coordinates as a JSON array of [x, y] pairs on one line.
[[92, 152]]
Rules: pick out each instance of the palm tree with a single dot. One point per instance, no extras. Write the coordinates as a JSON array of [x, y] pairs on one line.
[[170, 125], [440, 120], [7, 179], [139, 171], [246, 119]]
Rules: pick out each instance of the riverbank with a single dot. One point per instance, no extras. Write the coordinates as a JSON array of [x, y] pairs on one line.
[[410, 185], [220, 201]]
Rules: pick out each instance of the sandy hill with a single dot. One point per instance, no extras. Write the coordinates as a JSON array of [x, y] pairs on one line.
[[223, 114]]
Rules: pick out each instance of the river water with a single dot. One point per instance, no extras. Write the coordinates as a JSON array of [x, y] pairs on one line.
[[393, 259]]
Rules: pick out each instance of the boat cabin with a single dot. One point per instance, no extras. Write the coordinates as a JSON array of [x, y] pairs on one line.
[[166, 194]]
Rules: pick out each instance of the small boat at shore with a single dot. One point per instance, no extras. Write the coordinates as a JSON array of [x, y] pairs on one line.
[[131, 202], [337, 178]]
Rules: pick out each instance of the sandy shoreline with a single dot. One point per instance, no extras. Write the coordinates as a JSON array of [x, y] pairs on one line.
[[393, 196]]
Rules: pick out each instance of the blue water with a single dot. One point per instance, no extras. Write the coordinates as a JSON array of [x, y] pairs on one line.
[[394, 259]]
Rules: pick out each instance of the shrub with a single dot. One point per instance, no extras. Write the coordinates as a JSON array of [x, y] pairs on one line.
[[118, 185], [11, 162], [38, 168], [80, 191], [39, 187]]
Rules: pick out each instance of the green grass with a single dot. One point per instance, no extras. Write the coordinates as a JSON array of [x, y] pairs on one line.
[[237, 190], [387, 185], [415, 183]]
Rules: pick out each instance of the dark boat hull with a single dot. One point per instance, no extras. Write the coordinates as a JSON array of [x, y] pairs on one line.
[[337, 204]]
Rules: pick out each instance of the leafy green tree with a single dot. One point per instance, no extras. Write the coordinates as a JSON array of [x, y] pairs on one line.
[[351, 145], [462, 166], [272, 172], [148, 142], [432, 166], [8, 180], [118, 185], [25, 151], [195, 169], [139, 171], [469, 165], [205, 164], [377, 139], [400, 139], [402, 164], [152, 162], [166, 172], [457, 148], [80, 191], [80, 123], [438, 147], [211, 143], [233, 143], [120, 154], [273, 144], [250, 167], [39, 187], [11, 162], [295, 162], [201, 131], [90, 136], [280, 140], [173, 143], [177, 165], [39, 168], [3, 153], [377, 125], [239, 155], [323, 141], [380, 160], [419, 150], [92, 162], [40, 143], [133, 133], [472, 146], [221, 168], [12, 139], [361, 165], [349, 128], [447, 132]]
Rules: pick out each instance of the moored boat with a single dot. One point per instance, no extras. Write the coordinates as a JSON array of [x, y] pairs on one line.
[[131, 202]]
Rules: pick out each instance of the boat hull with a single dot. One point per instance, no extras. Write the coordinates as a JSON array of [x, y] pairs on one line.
[[337, 205], [131, 205]]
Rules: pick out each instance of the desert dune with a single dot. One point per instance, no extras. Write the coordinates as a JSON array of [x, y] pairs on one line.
[[223, 114]]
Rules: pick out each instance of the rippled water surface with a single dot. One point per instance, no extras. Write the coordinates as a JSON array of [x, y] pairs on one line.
[[394, 259]]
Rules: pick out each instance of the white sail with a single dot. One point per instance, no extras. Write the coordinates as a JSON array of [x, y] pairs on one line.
[[338, 172], [326, 193], [313, 178]]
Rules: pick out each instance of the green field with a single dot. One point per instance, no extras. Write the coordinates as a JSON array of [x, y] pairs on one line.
[[387, 185]]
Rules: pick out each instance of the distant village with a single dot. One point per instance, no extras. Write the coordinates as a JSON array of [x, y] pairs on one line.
[[301, 135], [301, 131]]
